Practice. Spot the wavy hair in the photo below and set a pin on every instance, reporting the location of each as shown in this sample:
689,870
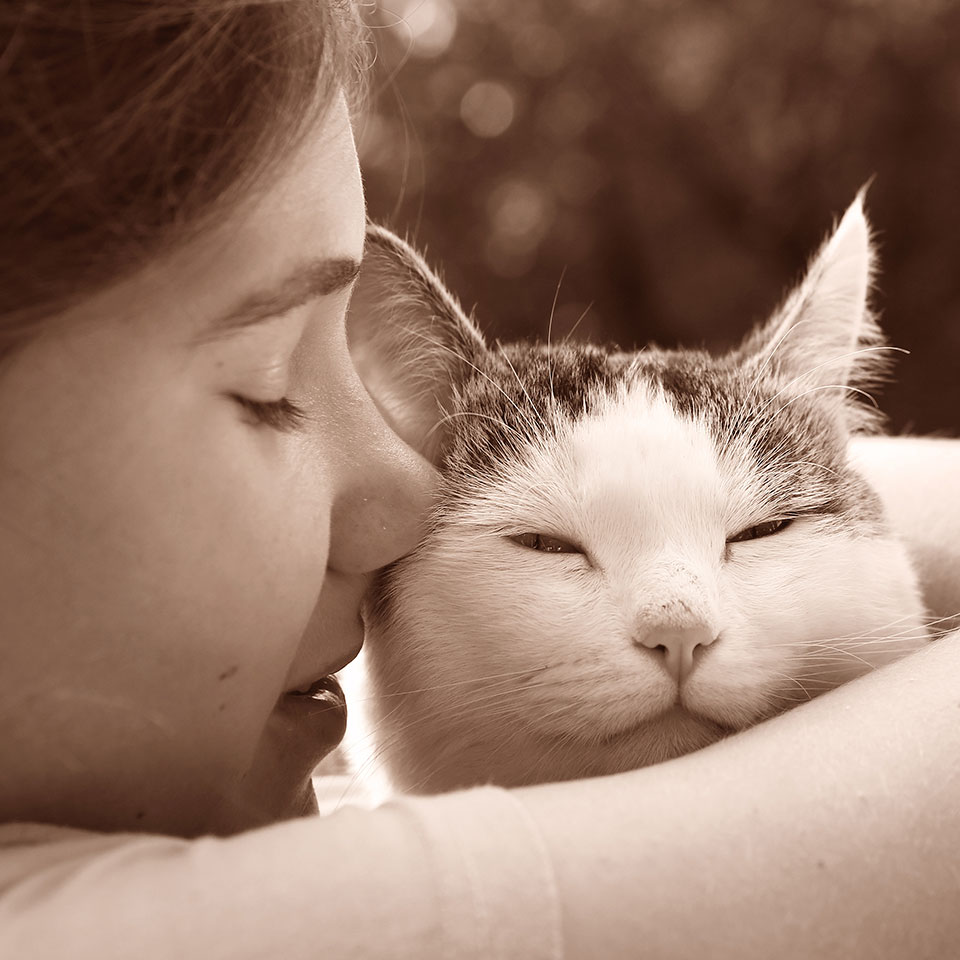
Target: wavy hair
126,126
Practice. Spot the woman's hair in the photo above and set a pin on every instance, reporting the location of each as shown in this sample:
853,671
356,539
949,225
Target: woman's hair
126,126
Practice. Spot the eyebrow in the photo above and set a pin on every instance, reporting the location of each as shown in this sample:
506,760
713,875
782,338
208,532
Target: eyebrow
306,282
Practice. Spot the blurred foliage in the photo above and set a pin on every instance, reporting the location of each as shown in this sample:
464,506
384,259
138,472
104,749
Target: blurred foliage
664,168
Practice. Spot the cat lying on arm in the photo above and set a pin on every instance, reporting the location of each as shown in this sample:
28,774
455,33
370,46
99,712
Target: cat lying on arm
634,554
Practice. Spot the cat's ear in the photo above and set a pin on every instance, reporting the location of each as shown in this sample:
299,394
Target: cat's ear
824,338
410,341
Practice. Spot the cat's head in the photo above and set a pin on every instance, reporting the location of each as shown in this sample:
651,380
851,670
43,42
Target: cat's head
634,553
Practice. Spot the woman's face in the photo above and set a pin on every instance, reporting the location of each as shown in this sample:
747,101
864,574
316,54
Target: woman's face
175,558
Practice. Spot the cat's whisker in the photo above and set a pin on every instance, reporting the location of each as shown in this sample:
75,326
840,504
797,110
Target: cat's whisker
885,627
513,369
553,311
721,438
459,356
502,678
795,680
423,714
883,631
464,705
578,321
826,386
635,365
418,334
850,655
809,681
739,419
811,463
450,417
853,647
759,419
815,660
786,702
914,632
952,620
469,704
805,695
825,363
893,638
772,351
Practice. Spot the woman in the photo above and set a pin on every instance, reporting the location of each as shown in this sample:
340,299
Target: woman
195,488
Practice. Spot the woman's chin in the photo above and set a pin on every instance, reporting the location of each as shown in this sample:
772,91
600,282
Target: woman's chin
257,803
278,785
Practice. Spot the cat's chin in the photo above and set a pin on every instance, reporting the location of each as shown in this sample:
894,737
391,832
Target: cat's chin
539,757
676,720
670,734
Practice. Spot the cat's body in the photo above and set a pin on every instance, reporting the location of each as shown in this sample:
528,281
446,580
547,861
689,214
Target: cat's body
634,554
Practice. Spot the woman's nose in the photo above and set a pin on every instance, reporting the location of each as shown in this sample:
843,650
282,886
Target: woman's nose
380,509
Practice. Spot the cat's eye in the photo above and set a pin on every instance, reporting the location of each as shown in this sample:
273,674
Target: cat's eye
761,530
283,414
545,543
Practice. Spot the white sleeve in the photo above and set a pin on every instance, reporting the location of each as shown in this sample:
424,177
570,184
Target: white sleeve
458,876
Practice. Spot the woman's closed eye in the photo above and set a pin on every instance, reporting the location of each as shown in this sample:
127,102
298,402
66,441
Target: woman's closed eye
283,414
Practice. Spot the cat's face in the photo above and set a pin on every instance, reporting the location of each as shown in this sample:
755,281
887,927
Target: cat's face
635,554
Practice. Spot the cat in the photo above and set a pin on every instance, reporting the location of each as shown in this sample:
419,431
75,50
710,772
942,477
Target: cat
634,553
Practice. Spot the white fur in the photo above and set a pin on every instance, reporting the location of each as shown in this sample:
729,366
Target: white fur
499,662
518,665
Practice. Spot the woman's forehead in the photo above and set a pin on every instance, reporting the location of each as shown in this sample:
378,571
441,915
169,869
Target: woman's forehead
300,234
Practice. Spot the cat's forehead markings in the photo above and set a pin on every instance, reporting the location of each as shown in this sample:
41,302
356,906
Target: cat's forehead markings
635,452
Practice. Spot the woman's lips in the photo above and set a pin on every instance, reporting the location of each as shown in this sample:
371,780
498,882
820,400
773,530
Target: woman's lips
318,712
324,690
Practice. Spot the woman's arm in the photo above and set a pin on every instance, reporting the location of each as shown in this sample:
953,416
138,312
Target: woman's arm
832,831
919,481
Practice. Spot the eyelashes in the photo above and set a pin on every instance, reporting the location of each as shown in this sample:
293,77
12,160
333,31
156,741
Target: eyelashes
282,415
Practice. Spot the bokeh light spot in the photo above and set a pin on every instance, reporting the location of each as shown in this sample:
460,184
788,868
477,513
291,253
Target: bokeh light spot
692,58
520,213
488,108
427,25
519,209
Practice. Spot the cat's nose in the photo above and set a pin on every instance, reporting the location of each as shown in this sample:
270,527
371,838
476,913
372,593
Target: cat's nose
678,646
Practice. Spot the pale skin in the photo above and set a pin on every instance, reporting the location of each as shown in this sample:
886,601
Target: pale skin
171,568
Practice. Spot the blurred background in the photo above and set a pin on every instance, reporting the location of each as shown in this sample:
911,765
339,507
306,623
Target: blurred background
664,168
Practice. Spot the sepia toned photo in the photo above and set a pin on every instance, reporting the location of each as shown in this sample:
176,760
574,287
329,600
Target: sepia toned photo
479,479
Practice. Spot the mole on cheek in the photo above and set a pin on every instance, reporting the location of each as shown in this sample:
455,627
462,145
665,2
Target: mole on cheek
228,673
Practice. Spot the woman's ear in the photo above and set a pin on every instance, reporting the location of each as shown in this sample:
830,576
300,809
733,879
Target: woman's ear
825,338
410,341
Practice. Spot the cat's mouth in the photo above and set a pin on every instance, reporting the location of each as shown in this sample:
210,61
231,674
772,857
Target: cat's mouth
675,722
